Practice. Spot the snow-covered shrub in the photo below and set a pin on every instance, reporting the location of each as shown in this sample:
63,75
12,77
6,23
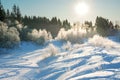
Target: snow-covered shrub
53,50
24,33
67,46
100,41
76,46
77,34
40,40
33,35
14,23
61,34
9,37
40,37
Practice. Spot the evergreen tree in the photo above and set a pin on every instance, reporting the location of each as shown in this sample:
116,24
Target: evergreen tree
2,12
59,22
105,27
9,37
14,11
7,14
66,24
18,14
54,20
102,26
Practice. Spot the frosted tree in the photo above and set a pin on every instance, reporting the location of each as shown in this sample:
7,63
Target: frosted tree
9,36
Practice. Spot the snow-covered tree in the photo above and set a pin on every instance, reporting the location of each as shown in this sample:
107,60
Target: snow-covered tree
40,37
77,34
9,37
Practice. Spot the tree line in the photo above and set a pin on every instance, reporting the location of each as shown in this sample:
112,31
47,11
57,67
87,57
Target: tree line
53,25
14,27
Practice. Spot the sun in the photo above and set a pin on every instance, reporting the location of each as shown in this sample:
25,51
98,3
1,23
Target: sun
82,8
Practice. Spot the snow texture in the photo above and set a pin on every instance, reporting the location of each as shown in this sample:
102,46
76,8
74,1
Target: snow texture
92,60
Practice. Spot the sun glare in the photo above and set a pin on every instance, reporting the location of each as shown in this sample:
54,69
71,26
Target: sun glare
81,8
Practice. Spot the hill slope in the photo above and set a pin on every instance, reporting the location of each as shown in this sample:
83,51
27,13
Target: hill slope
91,60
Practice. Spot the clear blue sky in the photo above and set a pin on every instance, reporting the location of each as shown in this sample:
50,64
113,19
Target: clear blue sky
64,9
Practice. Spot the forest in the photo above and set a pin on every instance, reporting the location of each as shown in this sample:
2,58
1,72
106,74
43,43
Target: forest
14,28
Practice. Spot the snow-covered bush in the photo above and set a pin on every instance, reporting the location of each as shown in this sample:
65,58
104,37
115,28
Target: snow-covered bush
40,40
18,26
40,37
77,34
53,50
9,37
67,46
14,23
61,34
100,41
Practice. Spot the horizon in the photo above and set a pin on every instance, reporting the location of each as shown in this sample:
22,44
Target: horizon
64,9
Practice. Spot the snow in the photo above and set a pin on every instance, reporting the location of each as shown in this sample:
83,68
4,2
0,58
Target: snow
62,61
95,74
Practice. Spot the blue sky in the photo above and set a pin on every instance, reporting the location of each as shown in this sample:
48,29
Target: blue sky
64,9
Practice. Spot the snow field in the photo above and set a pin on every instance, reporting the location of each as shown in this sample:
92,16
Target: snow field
63,61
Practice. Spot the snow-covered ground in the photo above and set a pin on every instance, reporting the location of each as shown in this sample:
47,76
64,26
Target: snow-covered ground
96,59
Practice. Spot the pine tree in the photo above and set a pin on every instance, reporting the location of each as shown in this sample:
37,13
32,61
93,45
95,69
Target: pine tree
66,24
18,14
8,14
54,20
2,12
59,22
103,26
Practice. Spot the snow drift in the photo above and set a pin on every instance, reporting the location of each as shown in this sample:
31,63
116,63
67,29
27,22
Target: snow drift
95,59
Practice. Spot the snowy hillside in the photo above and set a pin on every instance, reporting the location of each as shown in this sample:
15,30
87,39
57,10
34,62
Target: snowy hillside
63,61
